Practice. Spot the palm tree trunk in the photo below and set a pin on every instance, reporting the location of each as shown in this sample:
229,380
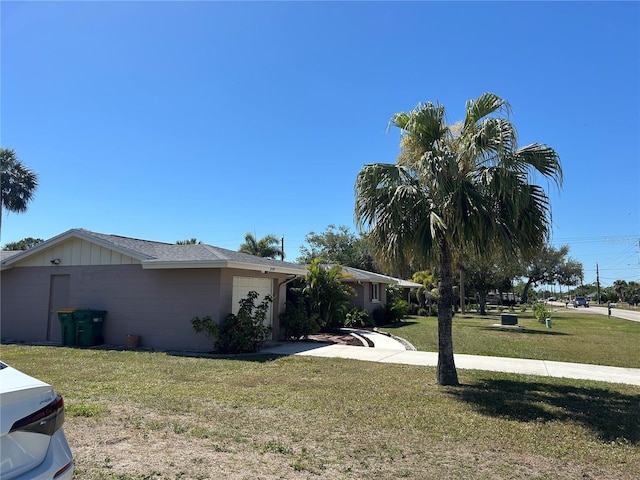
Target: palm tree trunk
446,373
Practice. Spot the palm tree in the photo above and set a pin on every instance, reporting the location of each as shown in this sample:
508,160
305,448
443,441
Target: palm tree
456,188
268,246
329,296
18,183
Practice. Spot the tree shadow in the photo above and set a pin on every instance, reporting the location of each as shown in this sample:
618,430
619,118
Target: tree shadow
523,331
245,357
401,324
610,415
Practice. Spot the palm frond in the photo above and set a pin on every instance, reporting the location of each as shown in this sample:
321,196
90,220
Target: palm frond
543,159
486,104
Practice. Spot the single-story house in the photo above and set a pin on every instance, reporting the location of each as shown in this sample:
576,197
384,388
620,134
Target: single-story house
149,289
370,288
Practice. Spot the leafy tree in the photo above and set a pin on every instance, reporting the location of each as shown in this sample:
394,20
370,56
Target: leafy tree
268,246
189,241
570,273
18,183
633,293
486,271
627,291
337,245
550,265
24,244
455,188
329,297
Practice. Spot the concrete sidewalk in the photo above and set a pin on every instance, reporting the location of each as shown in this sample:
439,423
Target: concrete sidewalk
545,368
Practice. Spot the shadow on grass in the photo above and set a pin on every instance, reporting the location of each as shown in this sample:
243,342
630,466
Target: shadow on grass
399,324
610,415
524,331
245,357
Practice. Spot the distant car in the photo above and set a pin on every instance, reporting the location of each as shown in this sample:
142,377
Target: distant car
580,302
551,299
32,442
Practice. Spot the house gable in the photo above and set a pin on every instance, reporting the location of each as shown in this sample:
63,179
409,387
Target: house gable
75,252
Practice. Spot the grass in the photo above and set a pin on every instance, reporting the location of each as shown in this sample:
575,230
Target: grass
574,337
296,417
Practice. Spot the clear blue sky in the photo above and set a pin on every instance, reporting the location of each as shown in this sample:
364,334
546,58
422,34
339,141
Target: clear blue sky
172,120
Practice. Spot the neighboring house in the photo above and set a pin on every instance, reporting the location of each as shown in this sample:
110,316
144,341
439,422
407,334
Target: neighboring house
150,289
370,288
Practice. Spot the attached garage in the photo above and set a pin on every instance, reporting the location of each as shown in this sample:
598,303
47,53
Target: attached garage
262,286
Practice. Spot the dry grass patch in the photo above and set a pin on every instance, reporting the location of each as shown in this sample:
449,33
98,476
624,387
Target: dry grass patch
150,415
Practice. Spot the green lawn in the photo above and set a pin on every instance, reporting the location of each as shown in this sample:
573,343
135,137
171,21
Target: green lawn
135,415
574,337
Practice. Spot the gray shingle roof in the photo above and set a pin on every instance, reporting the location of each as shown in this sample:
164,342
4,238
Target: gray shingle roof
160,252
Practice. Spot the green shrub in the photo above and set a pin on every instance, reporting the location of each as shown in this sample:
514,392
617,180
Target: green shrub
244,332
207,326
391,313
540,312
358,318
296,322
396,311
422,312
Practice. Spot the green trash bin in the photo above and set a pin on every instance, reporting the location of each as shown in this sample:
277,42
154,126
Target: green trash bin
67,326
89,327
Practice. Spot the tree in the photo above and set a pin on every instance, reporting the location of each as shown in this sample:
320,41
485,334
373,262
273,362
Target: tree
189,241
19,183
338,245
427,291
268,246
328,295
550,265
455,188
24,244
570,273
489,271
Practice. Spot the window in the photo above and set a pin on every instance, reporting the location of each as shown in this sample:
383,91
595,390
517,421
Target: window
375,293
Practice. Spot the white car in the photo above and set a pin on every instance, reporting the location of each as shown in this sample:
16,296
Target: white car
32,442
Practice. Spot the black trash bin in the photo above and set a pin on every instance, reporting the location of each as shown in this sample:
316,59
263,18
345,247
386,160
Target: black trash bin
67,326
89,327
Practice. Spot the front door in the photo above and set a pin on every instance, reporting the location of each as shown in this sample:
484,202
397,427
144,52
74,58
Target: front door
58,299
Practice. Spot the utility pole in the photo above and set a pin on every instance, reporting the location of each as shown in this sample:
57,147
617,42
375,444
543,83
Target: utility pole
282,250
598,283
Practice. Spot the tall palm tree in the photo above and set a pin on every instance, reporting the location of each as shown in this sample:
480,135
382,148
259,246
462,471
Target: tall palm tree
456,188
268,246
18,183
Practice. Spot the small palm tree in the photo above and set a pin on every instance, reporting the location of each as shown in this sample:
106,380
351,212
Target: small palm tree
268,247
18,183
455,188
328,295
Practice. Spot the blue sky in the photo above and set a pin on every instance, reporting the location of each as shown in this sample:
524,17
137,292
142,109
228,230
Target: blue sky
172,120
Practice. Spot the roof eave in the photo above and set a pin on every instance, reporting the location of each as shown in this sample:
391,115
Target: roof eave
159,264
